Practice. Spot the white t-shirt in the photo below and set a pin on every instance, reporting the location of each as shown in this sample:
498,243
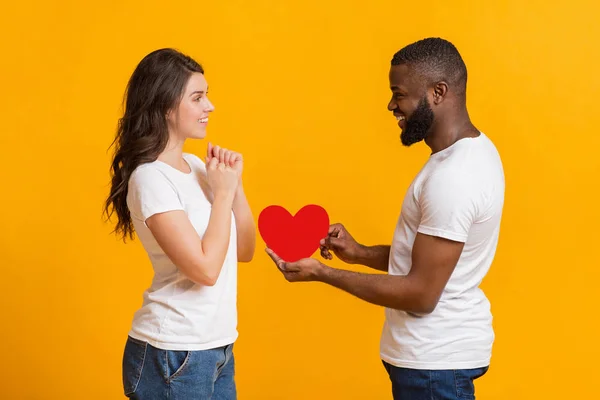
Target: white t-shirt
178,314
458,195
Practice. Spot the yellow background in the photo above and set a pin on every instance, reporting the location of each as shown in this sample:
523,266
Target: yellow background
300,88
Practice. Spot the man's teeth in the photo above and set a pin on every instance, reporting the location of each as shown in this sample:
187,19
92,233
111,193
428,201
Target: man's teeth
400,118
203,120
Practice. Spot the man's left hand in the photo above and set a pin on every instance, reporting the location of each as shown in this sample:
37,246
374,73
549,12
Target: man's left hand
304,270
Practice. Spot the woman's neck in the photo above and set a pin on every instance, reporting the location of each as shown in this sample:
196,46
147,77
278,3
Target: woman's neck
173,155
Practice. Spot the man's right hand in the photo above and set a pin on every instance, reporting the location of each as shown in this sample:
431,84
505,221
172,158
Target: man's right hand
342,244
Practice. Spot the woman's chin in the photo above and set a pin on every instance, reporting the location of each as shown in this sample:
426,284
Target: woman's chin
198,135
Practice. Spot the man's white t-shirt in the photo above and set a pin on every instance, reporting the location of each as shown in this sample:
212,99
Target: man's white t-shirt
457,195
178,314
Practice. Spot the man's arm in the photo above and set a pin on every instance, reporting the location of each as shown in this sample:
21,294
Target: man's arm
376,257
433,261
244,221
343,245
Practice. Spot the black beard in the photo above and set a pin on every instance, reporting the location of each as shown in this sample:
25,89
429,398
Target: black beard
418,125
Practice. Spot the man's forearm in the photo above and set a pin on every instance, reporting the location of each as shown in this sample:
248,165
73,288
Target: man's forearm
244,221
376,257
392,291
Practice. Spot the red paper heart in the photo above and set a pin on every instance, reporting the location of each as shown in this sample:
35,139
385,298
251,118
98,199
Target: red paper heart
293,237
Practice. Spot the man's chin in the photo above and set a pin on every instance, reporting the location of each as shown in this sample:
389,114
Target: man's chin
408,140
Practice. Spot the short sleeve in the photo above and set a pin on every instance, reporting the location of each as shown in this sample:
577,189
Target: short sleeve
195,161
448,205
151,192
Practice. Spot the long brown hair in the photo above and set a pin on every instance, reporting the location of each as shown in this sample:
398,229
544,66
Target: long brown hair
155,88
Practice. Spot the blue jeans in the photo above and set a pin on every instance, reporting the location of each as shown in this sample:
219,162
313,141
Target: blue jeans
448,384
150,373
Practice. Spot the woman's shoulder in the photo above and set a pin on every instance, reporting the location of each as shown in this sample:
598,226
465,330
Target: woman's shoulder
194,161
147,173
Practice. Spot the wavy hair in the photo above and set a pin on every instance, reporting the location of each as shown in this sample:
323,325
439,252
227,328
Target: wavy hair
155,88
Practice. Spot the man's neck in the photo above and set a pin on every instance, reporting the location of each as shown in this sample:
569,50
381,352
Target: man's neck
449,130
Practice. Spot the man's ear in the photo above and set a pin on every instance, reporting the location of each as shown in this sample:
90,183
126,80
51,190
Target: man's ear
440,90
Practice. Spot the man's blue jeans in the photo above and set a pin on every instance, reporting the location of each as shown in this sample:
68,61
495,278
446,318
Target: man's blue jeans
416,384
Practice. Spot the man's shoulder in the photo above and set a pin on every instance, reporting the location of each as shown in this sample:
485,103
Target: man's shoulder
448,175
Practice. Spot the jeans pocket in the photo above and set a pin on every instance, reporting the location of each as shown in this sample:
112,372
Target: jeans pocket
176,362
133,364
465,387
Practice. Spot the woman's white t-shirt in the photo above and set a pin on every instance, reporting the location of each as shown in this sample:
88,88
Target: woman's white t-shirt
178,314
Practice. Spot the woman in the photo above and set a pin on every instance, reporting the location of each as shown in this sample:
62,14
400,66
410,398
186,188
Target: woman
193,220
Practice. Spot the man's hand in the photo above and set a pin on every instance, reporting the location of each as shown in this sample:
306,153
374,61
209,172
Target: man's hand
305,270
418,292
342,244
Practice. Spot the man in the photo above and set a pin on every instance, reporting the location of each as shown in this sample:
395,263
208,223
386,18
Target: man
438,334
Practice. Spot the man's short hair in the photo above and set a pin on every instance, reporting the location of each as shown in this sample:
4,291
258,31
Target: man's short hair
437,60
